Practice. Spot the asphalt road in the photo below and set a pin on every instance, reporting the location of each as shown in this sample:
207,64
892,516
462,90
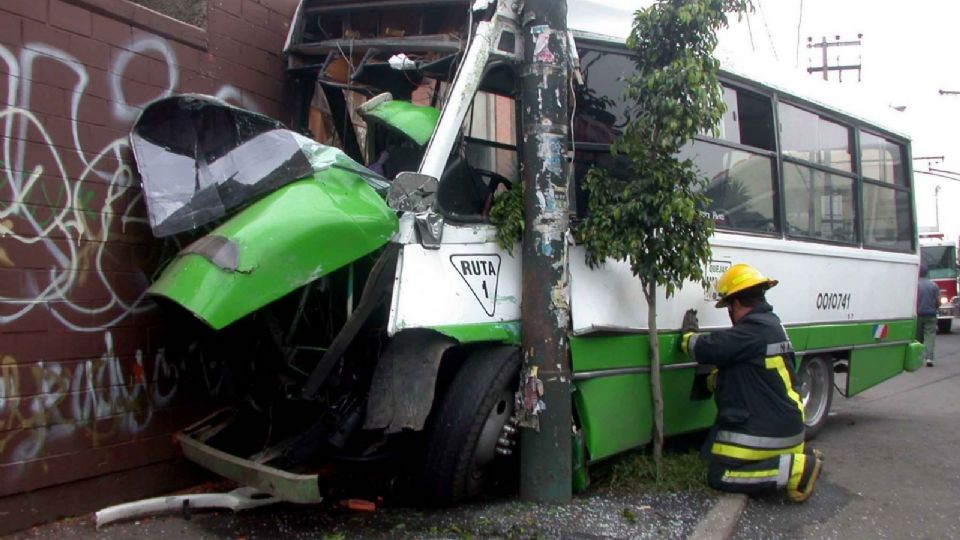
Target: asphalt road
892,466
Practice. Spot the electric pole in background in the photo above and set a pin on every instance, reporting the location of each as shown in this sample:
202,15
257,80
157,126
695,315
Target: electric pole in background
545,411
826,68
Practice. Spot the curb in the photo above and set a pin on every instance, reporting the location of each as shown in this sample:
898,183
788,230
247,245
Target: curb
720,521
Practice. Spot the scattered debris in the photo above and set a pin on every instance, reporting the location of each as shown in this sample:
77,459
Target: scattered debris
359,505
239,499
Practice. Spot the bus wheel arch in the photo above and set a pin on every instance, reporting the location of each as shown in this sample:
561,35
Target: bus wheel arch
815,379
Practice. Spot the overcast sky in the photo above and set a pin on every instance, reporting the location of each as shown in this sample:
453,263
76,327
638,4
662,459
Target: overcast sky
909,52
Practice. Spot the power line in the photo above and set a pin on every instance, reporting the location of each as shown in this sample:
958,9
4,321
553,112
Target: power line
939,175
796,61
750,31
942,171
763,16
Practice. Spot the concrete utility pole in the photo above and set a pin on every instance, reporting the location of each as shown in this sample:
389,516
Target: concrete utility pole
545,457
825,68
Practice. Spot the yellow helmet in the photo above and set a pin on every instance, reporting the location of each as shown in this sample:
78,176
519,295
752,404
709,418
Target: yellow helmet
740,277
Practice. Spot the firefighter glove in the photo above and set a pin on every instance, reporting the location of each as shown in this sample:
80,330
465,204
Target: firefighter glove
690,322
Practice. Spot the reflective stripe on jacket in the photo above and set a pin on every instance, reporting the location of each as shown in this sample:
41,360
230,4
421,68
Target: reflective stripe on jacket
759,412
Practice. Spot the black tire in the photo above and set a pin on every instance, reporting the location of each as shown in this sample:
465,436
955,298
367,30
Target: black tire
815,378
944,326
474,408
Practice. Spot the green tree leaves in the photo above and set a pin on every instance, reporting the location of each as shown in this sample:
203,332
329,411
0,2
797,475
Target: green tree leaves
651,217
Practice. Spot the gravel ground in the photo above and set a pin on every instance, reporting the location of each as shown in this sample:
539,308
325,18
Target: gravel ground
599,514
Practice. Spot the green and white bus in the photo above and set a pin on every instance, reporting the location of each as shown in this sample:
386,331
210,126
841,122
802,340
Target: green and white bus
425,361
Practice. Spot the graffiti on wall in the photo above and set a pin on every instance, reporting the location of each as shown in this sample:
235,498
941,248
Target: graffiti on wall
73,397
45,204
71,223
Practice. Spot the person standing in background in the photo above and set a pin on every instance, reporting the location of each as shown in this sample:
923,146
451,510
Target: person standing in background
927,295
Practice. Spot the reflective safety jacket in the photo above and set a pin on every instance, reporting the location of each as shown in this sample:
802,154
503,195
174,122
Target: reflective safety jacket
759,412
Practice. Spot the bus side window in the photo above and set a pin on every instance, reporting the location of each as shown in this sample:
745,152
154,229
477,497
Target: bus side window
739,164
819,176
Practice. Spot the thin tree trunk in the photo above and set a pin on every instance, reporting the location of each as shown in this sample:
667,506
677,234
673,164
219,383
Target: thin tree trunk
650,291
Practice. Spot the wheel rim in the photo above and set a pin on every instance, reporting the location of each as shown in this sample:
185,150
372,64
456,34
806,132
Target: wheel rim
486,455
814,388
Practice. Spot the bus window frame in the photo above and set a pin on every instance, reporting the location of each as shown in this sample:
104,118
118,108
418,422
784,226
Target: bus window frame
854,124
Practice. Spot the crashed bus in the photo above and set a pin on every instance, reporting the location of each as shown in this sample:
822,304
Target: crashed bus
346,273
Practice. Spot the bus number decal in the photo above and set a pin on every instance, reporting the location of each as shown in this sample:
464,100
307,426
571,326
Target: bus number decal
481,273
833,301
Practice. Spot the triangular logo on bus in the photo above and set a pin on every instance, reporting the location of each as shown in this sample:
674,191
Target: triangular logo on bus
482,274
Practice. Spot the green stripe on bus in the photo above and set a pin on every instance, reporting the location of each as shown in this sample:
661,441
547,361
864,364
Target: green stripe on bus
595,352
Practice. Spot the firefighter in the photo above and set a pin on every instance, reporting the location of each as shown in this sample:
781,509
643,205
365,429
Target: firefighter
757,442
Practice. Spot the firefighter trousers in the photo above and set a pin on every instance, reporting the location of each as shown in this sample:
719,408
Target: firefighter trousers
790,472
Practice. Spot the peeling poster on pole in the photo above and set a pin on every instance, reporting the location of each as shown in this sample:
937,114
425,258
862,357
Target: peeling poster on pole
541,48
551,152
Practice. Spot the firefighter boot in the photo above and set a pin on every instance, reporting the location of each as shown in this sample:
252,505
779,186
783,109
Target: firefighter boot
805,488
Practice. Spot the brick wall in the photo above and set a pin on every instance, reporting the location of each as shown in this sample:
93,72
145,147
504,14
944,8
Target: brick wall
87,387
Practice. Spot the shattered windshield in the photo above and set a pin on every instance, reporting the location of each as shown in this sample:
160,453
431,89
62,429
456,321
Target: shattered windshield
199,158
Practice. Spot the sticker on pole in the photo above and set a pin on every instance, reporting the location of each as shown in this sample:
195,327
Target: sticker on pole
714,270
481,273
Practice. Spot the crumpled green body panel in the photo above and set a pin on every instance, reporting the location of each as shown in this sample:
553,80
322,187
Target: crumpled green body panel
415,121
291,237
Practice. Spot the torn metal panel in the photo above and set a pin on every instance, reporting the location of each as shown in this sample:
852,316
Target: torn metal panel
199,157
216,249
404,382
244,498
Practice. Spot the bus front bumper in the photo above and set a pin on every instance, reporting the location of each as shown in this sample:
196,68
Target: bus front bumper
291,487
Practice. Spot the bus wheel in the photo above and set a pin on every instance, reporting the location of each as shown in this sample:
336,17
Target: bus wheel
472,443
944,326
816,392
